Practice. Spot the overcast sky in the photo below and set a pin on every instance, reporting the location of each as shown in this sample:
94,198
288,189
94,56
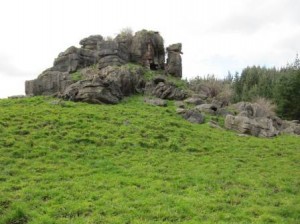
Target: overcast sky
217,35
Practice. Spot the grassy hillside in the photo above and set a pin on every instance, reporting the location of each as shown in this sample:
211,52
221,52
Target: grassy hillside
135,163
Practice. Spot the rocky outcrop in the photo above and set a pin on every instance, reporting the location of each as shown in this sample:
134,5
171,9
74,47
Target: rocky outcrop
207,108
109,86
145,48
111,53
254,119
160,88
260,127
48,83
193,116
91,42
194,100
251,110
94,91
174,65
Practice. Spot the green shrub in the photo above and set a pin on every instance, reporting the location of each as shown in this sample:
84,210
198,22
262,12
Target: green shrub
76,76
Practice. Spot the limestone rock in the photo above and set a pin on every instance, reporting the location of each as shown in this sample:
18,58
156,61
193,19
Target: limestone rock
73,59
129,81
194,100
91,91
156,102
174,64
165,90
251,110
108,85
91,42
180,110
260,127
147,49
291,127
101,61
48,83
207,108
193,116
179,104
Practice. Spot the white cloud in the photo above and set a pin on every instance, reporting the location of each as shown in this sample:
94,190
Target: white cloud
217,36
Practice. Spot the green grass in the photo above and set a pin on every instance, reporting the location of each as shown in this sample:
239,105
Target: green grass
76,76
135,163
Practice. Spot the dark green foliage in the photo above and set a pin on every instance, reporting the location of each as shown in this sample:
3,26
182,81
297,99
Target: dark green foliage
255,82
281,86
287,94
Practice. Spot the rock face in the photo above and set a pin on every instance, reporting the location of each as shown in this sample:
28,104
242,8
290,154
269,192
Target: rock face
90,91
160,88
260,127
108,86
70,72
255,120
193,116
48,83
147,49
174,65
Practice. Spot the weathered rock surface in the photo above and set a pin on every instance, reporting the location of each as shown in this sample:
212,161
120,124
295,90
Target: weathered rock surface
251,110
48,83
254,119
260,126
207,108
129,81
73,59
165,90
179,104
194,100
156,102
145,48
94,91
111,53
174,64
91,42
193,116
108,85
290,127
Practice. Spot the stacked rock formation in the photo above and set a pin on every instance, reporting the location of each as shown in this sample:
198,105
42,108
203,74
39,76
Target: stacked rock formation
174,66
109,79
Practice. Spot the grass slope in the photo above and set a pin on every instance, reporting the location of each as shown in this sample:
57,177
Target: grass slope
135,163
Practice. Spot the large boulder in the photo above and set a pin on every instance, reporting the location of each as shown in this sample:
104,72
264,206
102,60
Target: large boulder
165,90
251,110
48,83
174,64
73,59
291,127
260,126
91,42
112,53
193,116
207,108
94,91
109,85
147,49
130,81
194,100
